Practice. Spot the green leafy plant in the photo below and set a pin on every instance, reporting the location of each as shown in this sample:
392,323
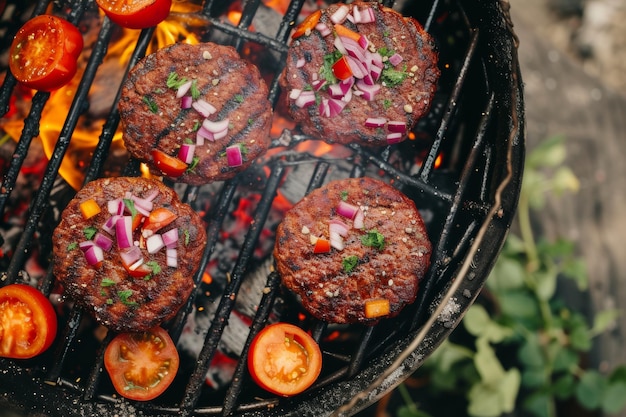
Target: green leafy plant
520,347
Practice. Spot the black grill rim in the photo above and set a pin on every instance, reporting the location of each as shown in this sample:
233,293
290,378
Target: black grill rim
493,38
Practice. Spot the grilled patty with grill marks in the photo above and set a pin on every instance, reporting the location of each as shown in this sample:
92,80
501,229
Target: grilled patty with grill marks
152,116
140,295
397,97
380,254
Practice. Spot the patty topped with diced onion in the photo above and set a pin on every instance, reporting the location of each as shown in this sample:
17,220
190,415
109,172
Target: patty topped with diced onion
359,73
126,250
353,250
195,113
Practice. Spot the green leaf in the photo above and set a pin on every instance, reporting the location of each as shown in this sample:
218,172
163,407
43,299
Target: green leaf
590,389
576,269
545,284
614,399
549,153
478,323
530,353
580,338
487,363
539,404
534,377
507,274
564,386
564,180
604,320
519,305
486,400
565,360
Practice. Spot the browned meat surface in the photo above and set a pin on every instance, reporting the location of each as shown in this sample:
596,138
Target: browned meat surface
402,93
382,258
119,299
152,116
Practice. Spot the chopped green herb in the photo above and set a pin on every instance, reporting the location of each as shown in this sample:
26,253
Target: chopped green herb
196,126
187,237
130,205
392,77
189,141
373,239
349,263
326,71
159,91
173,81
154,266
386,103
195,93
90,232
250,122
344,195
193,164
124,296
107,282
239,98
72,246
109,301
152,106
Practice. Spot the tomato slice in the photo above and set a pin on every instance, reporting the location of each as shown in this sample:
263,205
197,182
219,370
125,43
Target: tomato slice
44,52
167,164
28,323
141,365
284,359
136,14
307,24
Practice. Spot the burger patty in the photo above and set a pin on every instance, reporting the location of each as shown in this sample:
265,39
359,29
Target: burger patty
128,288
204,96
379,250
360,73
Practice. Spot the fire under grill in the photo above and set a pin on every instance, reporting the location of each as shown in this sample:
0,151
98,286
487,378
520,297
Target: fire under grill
462,166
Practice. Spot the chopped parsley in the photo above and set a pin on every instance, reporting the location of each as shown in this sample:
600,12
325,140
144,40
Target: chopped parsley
195,93
239,98
107,282
349,263
90,232
187,237
373,239
124,296
193,164
344,195
173,81
386,104
72,246
326,71
152,106
392,77
154,266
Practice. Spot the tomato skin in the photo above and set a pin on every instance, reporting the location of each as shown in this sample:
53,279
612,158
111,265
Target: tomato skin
44,53
286,346
341,68
136,14
150,358
159,218
25,309
167,164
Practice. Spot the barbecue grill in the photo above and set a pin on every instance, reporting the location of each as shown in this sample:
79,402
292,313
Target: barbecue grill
462,166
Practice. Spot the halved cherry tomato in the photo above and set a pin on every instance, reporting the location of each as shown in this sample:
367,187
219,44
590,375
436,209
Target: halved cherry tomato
136,14
139,272
284,359
167,164
158,218
141,365
28,323
341,68
44,53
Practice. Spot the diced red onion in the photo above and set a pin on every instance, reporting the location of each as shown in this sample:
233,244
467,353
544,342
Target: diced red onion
375,58
346,84
375,72
339,46
357,67
338,226
336,241
170,238
393,138
356,15
142,205
115,206
234,156
306,98
171,257
154,243
300,63
324,108
369,91
203,134
185,153
103,241
359,219
347,97
318,84
94,255
221,134
353,48
375,122
395,59
339,16
347,210
136,265
323,29
215,126
368,79
367,15
124,232
295,93
336,106
131,255
153,194
85,244
336,91
183,89
203,107
186,102
364,42
396,126
109,225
